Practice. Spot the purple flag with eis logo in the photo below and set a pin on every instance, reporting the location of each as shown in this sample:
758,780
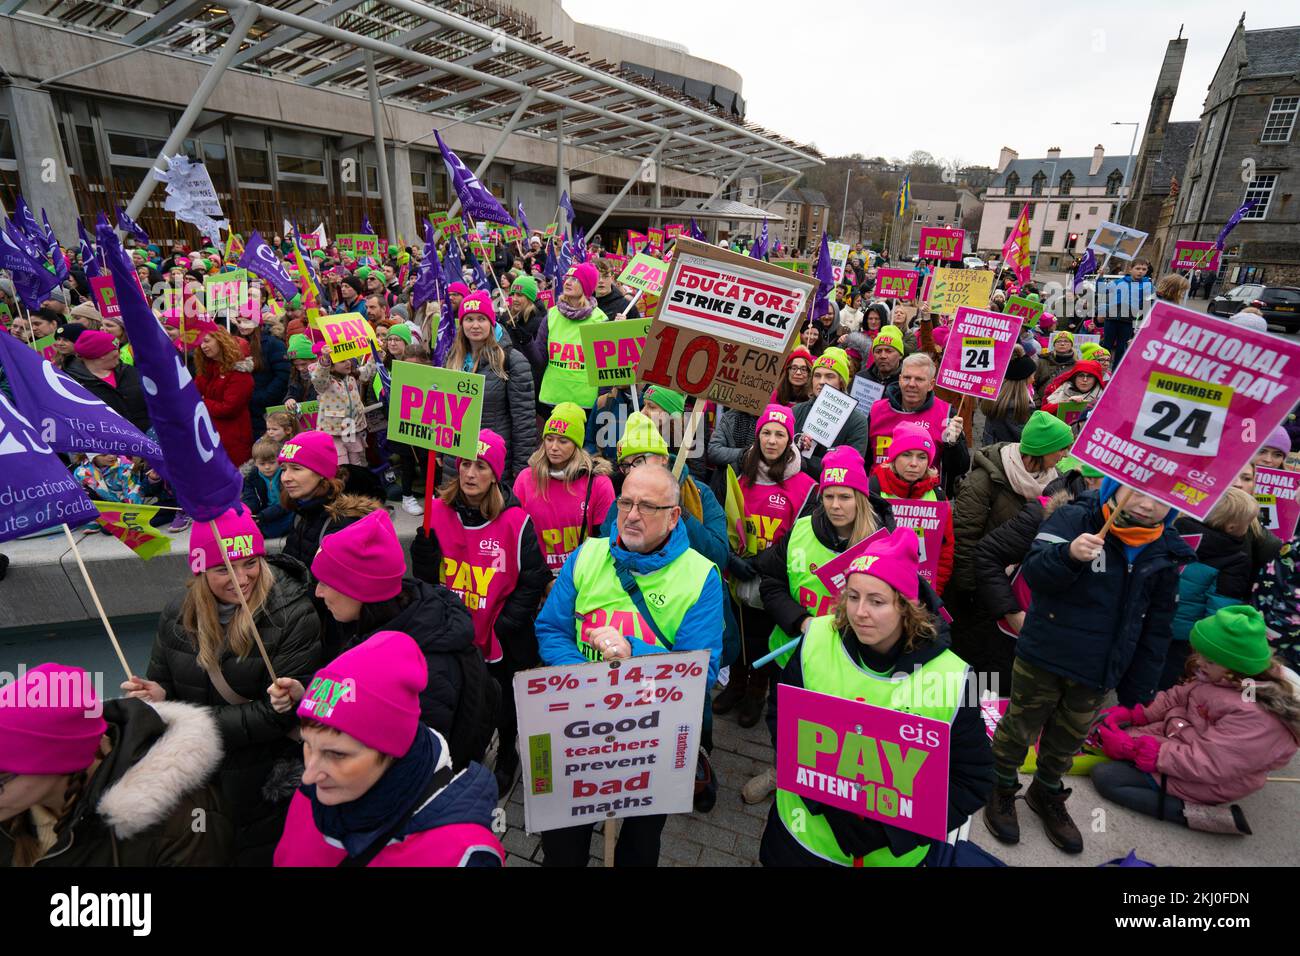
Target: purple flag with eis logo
1086,266
697,232
477,202
25,263
523,219
127,224
759,249
89,262
36,490
25,220
260,259
70,418
1231,224
426,287
198,467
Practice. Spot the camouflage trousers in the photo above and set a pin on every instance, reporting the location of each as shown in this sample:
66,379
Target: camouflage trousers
1060,709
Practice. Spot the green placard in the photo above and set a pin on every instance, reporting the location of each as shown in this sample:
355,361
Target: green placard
794,265
225,291
612,350
436,408
552,230
1027,310
365,245
5,315
304,408
42,344
484,250
344,241
539,761
645,273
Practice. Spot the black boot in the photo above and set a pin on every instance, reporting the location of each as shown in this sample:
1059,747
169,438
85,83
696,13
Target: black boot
507,767
1000,814
751,707
734,691
1050,805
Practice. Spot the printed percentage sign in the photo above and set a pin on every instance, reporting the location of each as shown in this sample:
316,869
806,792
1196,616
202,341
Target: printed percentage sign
556,681
729,353
571,682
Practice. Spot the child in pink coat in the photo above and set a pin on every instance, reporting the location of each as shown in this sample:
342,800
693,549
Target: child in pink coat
1211,740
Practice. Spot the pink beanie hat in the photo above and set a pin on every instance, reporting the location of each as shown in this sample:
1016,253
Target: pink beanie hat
478,303
778,414
93,344
894,559
458,288
313,450
371,692
940,336
492,449
1279,439
842,467
909,436
587,276
53,736
240,537
363,561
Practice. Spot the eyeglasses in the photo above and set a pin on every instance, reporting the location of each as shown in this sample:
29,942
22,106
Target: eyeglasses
625,506
800,368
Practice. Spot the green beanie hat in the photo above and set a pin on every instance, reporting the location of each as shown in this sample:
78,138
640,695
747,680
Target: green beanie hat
1068,335
568,421
890,335
666,398
838,360
1235,638
300,348
318,253
363,272
525,286
641,437
402,331
1043,434
296,301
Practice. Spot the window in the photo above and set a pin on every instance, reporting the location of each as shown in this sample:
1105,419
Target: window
1281,119
290,165
1036,184
1067,183
1062,213
940,219
1113,182
253,166
1092,210
1259,189
1014,211
1049,237
6,141
372,180
1209,133
1013,181
419,180
1006,234
131,144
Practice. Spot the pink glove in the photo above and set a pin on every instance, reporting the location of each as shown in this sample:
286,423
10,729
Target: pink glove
1139,716
1116,744
1117,717
1146,752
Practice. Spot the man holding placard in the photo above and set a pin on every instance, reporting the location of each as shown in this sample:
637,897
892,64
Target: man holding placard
912,399
831,369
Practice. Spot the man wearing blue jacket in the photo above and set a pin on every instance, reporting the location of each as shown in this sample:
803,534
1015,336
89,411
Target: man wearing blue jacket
600,609
1100,618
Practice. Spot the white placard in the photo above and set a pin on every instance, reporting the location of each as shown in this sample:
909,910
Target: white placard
866,392
828,414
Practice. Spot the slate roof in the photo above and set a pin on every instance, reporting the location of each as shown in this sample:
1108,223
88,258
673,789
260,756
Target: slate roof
934,192
1078,165
1179,140
1270,52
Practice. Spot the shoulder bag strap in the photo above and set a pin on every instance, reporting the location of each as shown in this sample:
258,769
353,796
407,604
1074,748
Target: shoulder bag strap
633,590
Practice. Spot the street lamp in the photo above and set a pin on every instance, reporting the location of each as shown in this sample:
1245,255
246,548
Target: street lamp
1128,189
848,174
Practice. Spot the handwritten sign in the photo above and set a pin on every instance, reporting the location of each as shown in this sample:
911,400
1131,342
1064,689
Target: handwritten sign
436,408
830,410
952,289
866,393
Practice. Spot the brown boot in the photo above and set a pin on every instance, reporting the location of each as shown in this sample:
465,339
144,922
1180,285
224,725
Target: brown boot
1000,814
734,692
1058,826
751,707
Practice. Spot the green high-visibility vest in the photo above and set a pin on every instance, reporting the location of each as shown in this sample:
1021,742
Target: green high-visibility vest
803,557
601,601
828,669
565,378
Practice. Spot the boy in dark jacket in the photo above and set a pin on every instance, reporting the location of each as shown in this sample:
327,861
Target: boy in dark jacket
1100,618
261,492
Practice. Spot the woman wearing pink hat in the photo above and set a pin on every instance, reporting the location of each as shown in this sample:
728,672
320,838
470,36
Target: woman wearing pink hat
508,398
479,541
378,788
558,342
205,654
883,645
909,474
312,488
776,493
87,782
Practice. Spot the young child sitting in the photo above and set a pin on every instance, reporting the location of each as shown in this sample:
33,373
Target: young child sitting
262,490
1211,740
109,477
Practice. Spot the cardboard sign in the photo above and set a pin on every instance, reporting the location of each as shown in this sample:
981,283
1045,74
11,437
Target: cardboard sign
829,412
1184,411
1027,310
839,259
613,350
105,297
645,273
951,289
723,325
984,342
1195,255
928,519
347,336
225,292
866,393
884,764
1278,494
1112,239
940,243
610,739
896,284
436,408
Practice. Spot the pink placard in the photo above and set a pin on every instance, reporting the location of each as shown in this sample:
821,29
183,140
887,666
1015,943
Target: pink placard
1277,492
978,352
942,244
656,242
1184,411
993,710
879,763
1195,255
102,288
896,284
310,241
832,574
928,519
674,229
547,297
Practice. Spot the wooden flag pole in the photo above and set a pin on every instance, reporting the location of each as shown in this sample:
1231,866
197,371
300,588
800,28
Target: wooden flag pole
94,596
611,835
243,602
1119,506
688,436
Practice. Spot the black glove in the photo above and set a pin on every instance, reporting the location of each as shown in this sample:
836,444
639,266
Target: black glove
742,569
857,836
423,554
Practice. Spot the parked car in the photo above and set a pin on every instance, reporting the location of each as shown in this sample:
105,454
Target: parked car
973,262
1279,303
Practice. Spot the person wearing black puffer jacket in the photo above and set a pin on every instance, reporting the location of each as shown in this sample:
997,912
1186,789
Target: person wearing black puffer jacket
205,653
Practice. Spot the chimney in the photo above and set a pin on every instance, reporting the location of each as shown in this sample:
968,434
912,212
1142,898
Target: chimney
1098,154
1054,153
1006,158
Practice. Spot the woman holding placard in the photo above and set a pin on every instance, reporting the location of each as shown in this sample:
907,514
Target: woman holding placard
883,645
558,342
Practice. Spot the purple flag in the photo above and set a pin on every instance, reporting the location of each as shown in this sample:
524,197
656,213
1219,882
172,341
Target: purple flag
260,259
523,219
306,258
452,268
476,201
551,268
36,490
759,249
127,224
579,245
198,467
696,232
57,259
563,260
1231,224
81,422
25,263
825,278
1087,265
366,228
567,206
26,222
427,286
89,261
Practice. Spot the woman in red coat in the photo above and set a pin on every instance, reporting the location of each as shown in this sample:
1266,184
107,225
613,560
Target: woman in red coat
224,378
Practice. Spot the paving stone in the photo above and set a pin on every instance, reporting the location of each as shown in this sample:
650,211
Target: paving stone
739,822
521,843
710,835
712,857
680,852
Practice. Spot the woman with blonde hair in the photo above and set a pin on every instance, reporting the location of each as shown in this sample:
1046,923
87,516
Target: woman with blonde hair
205,654
223,376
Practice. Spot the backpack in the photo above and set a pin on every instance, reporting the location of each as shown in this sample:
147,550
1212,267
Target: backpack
477,708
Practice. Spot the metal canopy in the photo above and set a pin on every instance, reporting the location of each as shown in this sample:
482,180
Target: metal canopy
472,62
704,210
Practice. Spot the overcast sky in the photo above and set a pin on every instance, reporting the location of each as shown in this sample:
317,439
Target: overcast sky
851,77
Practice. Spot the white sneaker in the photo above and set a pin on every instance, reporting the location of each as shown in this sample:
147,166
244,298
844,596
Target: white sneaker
411,505
759,788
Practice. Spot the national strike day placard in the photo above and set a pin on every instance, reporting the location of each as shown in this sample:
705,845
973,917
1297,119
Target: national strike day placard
979,350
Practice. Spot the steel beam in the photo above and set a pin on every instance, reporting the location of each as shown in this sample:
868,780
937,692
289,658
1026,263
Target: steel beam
385,187
491,154
654,157
282,35
163,21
